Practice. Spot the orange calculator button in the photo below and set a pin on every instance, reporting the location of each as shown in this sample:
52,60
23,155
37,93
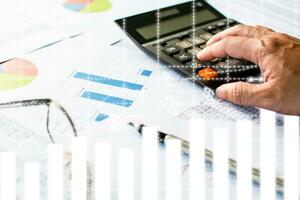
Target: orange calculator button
208,73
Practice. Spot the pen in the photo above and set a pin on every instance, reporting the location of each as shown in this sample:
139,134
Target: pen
162,137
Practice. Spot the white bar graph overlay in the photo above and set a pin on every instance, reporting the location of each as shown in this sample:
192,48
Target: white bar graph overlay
150,164
267,155
220,164
79,168
197,159
103,171
55,172
8,176
126,175
173,169
244,160
32,181
291,158
173,172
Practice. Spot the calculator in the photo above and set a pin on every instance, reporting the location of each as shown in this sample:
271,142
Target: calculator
174,35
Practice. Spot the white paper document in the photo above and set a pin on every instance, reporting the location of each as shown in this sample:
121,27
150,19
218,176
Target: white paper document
29,25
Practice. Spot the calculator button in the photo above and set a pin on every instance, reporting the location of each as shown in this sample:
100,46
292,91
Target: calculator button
199,4
183,57
231,22
217,31
203,46
194,51
206,36
210,28
199,31
185,36
214,61
184,44
221,24
220,67
208,73
234,62
190,67
171,50
196,41
196,64
172,42
193,64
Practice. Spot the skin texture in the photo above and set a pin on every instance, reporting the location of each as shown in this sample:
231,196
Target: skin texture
278,56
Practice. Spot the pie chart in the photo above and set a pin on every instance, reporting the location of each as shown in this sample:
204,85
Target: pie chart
16,73
87,6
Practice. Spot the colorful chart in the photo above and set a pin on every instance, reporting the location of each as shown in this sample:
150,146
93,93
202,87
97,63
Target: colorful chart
16,73
87,6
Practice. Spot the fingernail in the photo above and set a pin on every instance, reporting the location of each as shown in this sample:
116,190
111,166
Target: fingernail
199,54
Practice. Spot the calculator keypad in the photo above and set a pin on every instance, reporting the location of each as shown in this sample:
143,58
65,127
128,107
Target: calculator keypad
194,51
197,41
210,28
172,42
183,57
185,48
206,36
184,44
171,50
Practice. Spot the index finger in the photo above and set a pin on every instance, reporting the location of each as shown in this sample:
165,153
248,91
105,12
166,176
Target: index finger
241,30
233,46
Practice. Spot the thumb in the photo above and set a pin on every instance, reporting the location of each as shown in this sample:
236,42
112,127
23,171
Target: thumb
242,93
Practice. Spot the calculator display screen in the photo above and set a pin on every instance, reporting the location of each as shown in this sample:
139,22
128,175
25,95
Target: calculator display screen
174,24
143,29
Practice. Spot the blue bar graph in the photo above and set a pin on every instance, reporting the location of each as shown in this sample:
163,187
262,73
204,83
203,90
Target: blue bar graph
100,117
146,73
107,99
108,81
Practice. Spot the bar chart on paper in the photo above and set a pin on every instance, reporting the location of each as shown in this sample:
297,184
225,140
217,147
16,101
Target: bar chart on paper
118,92
109,89
115,91
115,83
105,86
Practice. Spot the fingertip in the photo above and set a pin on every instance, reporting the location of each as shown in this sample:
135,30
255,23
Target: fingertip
221,91
205,54
210,41
201,54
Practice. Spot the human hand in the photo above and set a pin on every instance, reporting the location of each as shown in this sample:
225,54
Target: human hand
278,56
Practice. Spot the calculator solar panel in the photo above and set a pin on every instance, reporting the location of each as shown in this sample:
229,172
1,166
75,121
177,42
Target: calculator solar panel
174,35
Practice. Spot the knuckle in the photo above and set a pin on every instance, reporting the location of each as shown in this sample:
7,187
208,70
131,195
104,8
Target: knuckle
256,55
252,31
270,42
264,28
238,93
237,28
267,45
